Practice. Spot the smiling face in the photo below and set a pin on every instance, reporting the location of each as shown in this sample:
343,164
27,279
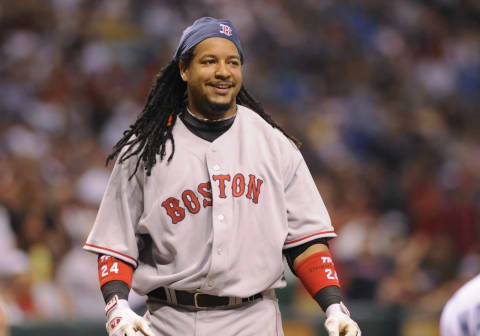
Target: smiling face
214,78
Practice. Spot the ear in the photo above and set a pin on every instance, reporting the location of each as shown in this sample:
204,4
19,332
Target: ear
183,71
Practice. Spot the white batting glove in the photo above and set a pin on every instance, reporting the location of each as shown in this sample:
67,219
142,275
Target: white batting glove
122,321
339,323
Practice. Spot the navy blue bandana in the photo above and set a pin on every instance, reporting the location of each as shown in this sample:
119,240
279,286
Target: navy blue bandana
204,28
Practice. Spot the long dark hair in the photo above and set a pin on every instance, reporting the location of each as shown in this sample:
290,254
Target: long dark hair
147,137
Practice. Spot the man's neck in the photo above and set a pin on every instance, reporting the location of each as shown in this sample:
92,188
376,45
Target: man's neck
207,130
202,118
212,116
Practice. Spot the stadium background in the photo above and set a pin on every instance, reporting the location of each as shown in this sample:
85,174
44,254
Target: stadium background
383,95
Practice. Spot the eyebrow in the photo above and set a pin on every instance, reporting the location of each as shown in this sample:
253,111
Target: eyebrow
215,56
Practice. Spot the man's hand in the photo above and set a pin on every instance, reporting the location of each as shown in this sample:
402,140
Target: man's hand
122,321
339,323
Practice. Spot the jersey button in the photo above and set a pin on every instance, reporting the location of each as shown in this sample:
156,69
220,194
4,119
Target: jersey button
216,167
221,217
210,283
219,251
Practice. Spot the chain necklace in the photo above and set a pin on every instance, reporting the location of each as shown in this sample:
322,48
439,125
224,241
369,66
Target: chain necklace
208,120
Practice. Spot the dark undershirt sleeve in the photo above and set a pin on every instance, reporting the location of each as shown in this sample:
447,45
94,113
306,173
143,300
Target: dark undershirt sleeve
327,296
115,287
292,253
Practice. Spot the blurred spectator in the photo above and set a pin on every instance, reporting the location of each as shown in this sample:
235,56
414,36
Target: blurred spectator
16,288
76,274
4,325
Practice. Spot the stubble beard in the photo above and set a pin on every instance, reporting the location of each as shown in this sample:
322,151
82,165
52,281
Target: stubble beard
213,111
210,109
219,108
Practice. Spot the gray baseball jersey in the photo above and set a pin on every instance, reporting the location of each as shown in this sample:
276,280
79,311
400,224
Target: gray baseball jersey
217,216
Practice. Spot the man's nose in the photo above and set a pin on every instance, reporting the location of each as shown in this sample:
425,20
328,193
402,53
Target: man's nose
222,70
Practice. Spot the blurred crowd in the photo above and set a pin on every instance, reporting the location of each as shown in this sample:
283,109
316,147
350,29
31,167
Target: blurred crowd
383,95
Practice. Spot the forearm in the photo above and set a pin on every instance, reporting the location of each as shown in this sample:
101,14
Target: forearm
310,251
316,270
115,277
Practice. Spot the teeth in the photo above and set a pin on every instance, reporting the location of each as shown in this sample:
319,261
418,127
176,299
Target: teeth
222,86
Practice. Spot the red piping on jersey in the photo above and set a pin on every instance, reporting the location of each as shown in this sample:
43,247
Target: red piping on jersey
313,234
107,249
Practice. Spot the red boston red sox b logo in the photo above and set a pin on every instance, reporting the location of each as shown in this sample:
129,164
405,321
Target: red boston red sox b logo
225,29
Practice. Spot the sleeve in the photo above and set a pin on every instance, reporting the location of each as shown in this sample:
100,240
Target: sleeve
114,230
307,215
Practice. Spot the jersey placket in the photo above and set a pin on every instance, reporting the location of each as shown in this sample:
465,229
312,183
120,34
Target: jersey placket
220,218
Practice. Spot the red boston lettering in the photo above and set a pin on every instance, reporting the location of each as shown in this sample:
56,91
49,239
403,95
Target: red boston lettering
191,201
205,189
254,189
221,183
174,210
238,185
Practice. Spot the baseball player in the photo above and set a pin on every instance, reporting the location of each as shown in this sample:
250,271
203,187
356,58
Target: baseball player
461,314
205,199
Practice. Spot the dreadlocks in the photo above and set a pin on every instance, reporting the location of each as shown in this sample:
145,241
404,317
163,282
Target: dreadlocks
147,137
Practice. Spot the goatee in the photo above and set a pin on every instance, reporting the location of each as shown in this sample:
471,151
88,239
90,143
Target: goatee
218,110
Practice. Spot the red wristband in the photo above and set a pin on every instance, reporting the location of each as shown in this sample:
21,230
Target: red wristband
317,271
111,268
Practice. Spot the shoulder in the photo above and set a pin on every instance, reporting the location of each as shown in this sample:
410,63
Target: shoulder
260,126
128,163
267,139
